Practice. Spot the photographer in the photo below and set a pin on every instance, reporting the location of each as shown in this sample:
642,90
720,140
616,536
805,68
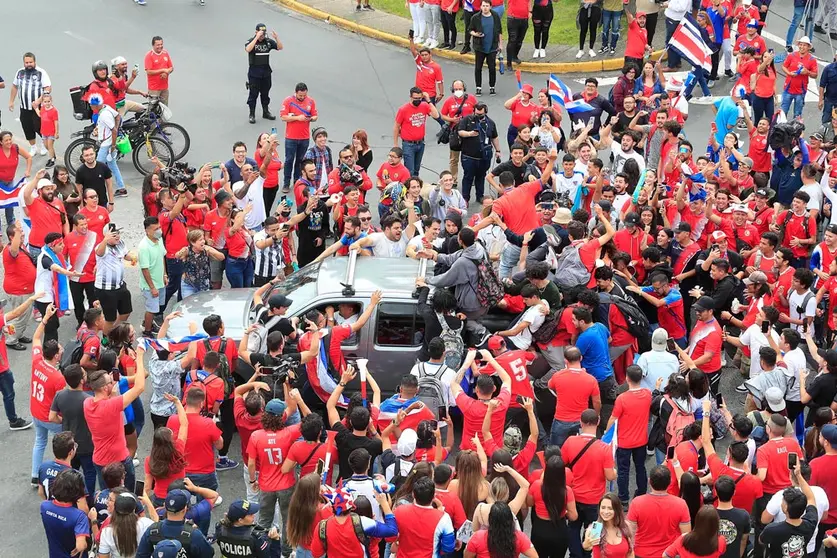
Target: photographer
348,173
249,192
173,225
276,367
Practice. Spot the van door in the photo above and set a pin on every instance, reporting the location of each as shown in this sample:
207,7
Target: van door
398,335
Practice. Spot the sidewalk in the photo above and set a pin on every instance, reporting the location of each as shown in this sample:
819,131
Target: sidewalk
393,29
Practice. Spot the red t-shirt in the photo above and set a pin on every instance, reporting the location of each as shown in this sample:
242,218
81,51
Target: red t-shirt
762,219
773,456
473,413
516,364
637,40
588,473
75,243
161,485
19,278
632,409
200,443
301,451
215,225
92,343
450,107
677,549
155,61
687,454
573,388
46,218
566,328
630,243
707,338
8,165
743,15
524,114
231,350
412,120
269,448
150,203
746,69
298,129
427,76
760,156
517,208
535,491
246,424
822,475
49,117
518,9
96,220
47,380
417,526
796,227
388,173
174,232
4,354
520,461
105,420
796,83
271,179
104,90
766,83
783,287
747,489
429,454
658,518
453,507
479,544
588,253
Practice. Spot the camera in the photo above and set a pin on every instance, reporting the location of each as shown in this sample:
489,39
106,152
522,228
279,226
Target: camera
563,200
349,175
178,172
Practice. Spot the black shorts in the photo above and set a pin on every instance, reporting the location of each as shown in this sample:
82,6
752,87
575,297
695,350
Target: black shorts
116,302
129,429
30,122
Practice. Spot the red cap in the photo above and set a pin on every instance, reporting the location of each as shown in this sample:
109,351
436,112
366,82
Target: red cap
719,235
641,14
495,342
528,89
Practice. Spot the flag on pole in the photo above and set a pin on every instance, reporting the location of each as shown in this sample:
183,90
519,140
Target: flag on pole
563,95
8,193
172,345
692,43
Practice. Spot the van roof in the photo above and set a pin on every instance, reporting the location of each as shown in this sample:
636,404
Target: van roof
394,276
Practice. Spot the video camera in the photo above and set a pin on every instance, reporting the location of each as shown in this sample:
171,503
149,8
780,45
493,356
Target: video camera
348,175
179,172
785,135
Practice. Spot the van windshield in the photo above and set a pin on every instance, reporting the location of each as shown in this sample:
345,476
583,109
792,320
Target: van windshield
300,287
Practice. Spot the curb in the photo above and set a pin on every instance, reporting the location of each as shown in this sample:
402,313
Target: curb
604,65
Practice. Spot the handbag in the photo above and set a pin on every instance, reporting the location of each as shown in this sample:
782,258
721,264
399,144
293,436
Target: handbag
444,135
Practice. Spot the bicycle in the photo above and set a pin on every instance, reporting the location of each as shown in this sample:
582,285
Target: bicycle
155,119
144,147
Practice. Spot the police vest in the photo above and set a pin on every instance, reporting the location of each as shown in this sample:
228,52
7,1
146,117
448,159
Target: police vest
235,541
155,536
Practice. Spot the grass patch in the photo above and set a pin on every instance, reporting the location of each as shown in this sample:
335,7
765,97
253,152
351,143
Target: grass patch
563,30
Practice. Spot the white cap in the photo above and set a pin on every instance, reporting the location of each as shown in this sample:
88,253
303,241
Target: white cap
805,40
775,399
659,339
407,443
43,182
747,2
118,60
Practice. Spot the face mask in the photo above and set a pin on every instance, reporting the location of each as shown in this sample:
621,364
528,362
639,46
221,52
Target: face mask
416,102
158,234
481,117
459,94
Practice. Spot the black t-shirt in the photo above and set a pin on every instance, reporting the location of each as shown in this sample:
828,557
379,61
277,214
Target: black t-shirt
735,523
518,172
622,123
94,178
784,540
260,55
70,405
823,390
283,326
474,146
347,442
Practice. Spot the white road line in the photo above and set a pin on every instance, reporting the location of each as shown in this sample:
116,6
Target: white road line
79,38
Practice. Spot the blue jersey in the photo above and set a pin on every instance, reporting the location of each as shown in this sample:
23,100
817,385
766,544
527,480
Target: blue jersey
100,502
62,524
48,471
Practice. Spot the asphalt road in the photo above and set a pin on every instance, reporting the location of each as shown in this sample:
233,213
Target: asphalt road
357,83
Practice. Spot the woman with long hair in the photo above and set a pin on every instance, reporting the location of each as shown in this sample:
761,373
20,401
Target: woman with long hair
196,256
167,462
151,185
616,539
121,537
66,189
588,17
665,244
763,84
10,154
306,510
404,495
691,494
553,503
704,539
502,538
469,484
361,149
500,492
266,146
675,393
813,447
548,134
648,88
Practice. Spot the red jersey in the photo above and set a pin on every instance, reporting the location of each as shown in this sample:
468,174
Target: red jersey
637,40
746,69
428,76
743,15
746,236
588,471
747,487
524,113
105,419
658,518
308,455
19,276
773,456
473,413
215,224
388,173
706,338
687,454
174,232
200,443
783,287
246,424
97,218
298,129
802,227
762,220
49,117
104,90
632,243
161,485
269,448
450,107
46,218
573,389
80,250
412,120
631,410
517,208
453,507
796,83
822,475
758,153
47,380
230,349
154,61
516,364
478,545
271,179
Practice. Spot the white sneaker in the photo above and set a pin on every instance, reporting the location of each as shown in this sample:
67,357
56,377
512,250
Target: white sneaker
432,43
543,53
702,100
44,150
419,41
592,53
580,54
536,53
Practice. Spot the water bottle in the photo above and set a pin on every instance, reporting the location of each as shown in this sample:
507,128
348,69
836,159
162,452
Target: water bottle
502,60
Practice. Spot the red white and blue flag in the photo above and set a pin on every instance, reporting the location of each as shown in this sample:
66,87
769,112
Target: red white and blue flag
172,345
692,43
319,377
9,193
563,95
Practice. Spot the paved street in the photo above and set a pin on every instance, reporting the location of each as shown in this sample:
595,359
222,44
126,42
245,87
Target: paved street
356,82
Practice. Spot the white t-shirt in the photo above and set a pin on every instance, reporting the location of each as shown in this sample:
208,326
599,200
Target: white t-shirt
681,104
569,186
755,340
383,247
107,544
256,217
106,123
795,302
774,508
366,487
535,318
581,166
815,192
794,362
432,369
620,156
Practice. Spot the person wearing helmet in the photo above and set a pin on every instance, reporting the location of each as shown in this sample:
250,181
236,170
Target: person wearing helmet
122,82
101,86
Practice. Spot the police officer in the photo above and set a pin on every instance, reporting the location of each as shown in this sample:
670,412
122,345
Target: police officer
239,535
258,76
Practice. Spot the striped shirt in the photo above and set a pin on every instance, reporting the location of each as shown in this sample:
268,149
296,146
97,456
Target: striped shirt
30,85
268,260
109,268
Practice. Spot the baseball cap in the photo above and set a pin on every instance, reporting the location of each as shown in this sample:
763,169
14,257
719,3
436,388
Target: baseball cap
275,407
775,399
805,40
562,216
407,443
831,228
168,548
683,227
747,161
704,303
828,355
125,503
756,278
632,218
605,205
829,432
495,342
177,500
528,89
279,301
659,339
43,182
719,235
740,207
261,26
640,14
765,192
241,509
817,136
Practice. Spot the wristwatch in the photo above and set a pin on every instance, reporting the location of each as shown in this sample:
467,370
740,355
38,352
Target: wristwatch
341,384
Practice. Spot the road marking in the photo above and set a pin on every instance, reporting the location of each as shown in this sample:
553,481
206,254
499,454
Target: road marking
79,38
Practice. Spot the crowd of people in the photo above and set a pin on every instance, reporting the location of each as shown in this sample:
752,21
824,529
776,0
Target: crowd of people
634,271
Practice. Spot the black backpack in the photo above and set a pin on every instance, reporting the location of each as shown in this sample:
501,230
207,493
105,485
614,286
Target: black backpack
635,318
75,350
155,537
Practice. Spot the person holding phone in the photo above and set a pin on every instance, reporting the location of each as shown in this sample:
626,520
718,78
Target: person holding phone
799,505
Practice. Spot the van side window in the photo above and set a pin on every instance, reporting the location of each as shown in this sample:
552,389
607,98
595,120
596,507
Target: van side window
399,325
345,313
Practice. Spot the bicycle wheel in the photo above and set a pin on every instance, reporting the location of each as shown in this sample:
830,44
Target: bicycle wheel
176,136
145,151
72,155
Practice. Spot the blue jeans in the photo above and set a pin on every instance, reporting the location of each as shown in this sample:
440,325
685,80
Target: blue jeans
8,211
139,415
7,388
102,157
240,272
700,79
294,152
413,153
562,430
623,466
473,173
86,462
508,260
174,269
187,290
673,57
798,11
42,432
204,480
610,27
798,103
130,475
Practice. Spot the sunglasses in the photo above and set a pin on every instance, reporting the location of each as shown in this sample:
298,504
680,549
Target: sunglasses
364,219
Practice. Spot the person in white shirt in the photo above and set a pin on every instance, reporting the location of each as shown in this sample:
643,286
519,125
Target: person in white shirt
568,183
249,191
812,187
519,336
802,301
658,362
392,243
107,130
754,337
434,367
427,239
624,150
346,314
791,350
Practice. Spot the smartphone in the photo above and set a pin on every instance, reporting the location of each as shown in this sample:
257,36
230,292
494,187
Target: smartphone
770,50
216,165
443,413
719,400
714,127
273,131
283,199
435,424
411,34
320,467
139,488
765,326
671,346
596,529
591,121
670,453
805,326
792,461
